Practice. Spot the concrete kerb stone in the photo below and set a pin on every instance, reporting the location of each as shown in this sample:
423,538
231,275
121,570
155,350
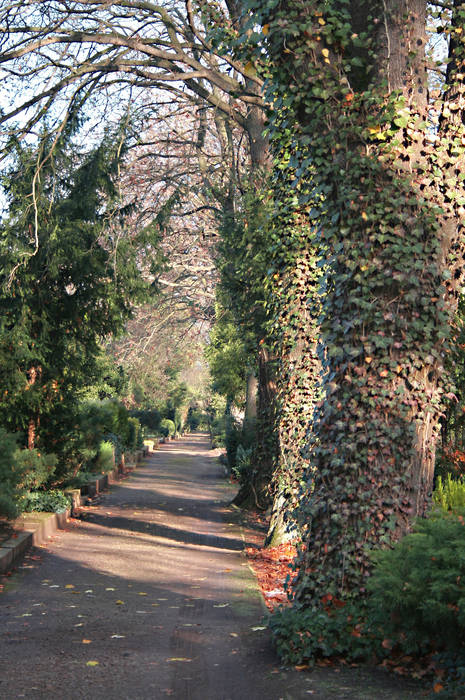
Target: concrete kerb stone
76,500
34,529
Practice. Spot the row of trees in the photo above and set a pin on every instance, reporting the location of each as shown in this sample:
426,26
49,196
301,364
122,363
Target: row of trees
335,233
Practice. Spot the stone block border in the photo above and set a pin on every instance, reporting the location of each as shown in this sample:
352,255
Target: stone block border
35,528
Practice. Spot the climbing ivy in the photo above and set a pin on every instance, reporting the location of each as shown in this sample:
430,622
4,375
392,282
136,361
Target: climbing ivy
293,312
386,163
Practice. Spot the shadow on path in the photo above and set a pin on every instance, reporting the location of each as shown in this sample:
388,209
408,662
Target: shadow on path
166,532
149,597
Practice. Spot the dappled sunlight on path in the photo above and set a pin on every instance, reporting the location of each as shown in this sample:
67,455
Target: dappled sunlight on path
149,595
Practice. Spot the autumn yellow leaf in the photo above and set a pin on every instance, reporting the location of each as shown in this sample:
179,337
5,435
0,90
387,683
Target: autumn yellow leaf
179,658
92,663
325,52
249,69
321,21
120,602
69,585
364,215
266,29
87,641
438,687
368,360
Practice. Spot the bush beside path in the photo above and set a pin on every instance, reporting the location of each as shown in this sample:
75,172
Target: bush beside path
149,595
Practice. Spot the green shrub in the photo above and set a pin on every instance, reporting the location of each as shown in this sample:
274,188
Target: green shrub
105,460
232,438
148,418
218,431
417,588
135,434
81,478
178,422
36,467
52,501
329,628
101,419
106,421
240,441
167,427
449,495
196,420
11,475
243,466
415,605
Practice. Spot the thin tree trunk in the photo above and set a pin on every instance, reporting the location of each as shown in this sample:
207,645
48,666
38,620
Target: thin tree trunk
251,398
33,375
256,493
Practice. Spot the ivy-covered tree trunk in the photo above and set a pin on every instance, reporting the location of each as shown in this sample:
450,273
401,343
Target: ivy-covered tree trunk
298,374
388,165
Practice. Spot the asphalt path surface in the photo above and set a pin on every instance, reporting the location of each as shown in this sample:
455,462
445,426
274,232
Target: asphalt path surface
150,596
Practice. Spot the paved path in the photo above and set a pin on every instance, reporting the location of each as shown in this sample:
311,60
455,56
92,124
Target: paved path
151,597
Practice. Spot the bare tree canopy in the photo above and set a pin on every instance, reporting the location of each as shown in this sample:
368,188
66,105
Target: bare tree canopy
56,55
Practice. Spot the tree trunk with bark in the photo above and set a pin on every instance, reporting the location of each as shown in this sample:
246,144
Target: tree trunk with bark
256,493
33,375
391,242
251,391
298,377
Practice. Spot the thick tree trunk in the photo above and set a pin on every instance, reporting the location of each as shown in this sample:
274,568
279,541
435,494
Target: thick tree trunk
297,382
391,244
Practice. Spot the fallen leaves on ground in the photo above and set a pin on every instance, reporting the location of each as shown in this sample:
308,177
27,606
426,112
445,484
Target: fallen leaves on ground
272,567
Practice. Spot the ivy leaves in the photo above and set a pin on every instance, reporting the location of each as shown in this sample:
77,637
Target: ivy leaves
384,205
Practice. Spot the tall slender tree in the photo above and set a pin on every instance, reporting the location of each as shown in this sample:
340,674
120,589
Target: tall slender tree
69,277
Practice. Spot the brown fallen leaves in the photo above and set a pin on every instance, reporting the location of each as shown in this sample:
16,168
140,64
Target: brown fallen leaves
272,568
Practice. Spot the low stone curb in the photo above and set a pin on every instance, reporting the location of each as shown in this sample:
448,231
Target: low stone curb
35,528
